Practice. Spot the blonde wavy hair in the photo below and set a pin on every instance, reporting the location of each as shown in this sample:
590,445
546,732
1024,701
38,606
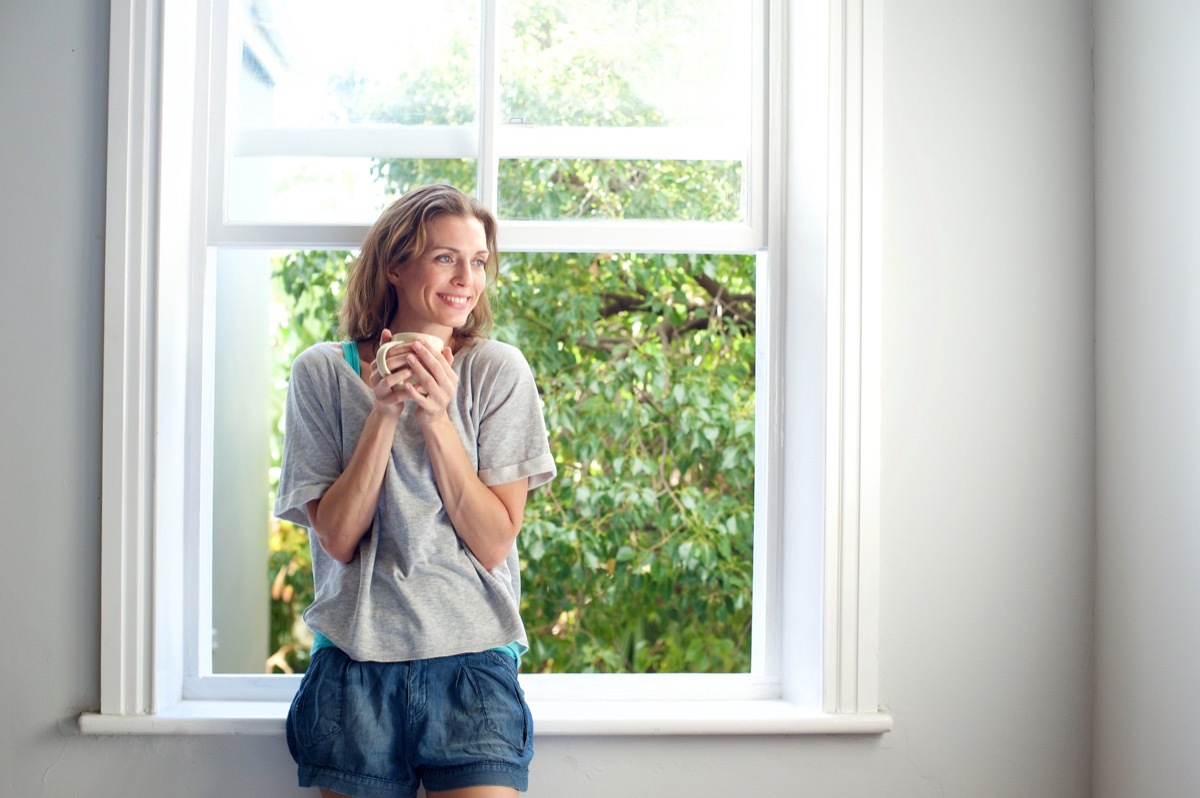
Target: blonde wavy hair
398,235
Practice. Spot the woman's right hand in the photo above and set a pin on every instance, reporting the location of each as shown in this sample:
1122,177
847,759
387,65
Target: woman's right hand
345,512
389,390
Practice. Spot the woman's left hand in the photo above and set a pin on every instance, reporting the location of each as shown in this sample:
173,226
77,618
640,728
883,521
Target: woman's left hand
433,383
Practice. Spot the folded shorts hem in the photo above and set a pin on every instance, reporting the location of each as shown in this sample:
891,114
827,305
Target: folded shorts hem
352,783
483,774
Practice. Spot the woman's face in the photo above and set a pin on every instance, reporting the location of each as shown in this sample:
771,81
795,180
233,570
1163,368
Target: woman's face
439,288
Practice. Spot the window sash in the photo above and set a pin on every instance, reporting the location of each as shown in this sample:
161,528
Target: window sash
150,518
491,141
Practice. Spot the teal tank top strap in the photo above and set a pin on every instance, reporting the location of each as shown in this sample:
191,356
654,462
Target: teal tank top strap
350,352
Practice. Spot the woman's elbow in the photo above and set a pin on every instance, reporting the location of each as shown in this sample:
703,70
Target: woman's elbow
336,547
332,534
495,555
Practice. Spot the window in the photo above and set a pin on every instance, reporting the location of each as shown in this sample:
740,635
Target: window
179,224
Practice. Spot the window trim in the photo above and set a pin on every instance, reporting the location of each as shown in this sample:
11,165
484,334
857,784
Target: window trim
832,252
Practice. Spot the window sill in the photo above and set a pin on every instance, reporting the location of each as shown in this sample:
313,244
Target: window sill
551,718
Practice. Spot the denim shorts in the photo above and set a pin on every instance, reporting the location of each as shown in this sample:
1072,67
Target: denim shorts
375,729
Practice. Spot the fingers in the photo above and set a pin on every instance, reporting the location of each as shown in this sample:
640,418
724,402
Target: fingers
395,359
385,337
433,383
389,390
437,364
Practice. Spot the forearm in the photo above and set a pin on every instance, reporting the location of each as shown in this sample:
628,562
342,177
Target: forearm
345,512
482,520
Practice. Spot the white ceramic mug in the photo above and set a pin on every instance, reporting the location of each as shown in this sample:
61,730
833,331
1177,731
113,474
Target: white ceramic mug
399,339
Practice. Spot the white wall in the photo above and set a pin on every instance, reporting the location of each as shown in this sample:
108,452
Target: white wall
987,470
1148,335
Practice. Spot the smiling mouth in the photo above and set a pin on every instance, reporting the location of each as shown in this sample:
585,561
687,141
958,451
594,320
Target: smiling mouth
457,301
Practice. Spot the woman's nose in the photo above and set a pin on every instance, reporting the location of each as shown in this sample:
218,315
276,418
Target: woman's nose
462,274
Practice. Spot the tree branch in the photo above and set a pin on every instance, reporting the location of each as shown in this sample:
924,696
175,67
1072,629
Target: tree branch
619,303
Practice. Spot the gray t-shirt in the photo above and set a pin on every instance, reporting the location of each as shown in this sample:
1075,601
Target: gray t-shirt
413,590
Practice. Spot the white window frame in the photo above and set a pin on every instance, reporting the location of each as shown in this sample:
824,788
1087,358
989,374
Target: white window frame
816,541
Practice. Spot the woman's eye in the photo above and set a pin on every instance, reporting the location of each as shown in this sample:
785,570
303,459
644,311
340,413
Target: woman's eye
479,264
443,258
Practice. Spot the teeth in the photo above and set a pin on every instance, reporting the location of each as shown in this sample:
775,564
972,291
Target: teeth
455,300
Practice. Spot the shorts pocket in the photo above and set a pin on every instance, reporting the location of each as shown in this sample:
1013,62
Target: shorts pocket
316,711
491,684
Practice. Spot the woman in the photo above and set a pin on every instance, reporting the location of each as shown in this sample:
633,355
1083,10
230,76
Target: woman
413,487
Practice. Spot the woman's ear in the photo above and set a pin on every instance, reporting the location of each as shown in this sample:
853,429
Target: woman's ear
393,277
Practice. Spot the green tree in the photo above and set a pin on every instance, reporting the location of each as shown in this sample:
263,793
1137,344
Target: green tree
638,557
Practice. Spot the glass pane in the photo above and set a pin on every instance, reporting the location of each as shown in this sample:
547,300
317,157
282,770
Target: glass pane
332,190
268,307
244,403
638,557
309,63
625,62
540,189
